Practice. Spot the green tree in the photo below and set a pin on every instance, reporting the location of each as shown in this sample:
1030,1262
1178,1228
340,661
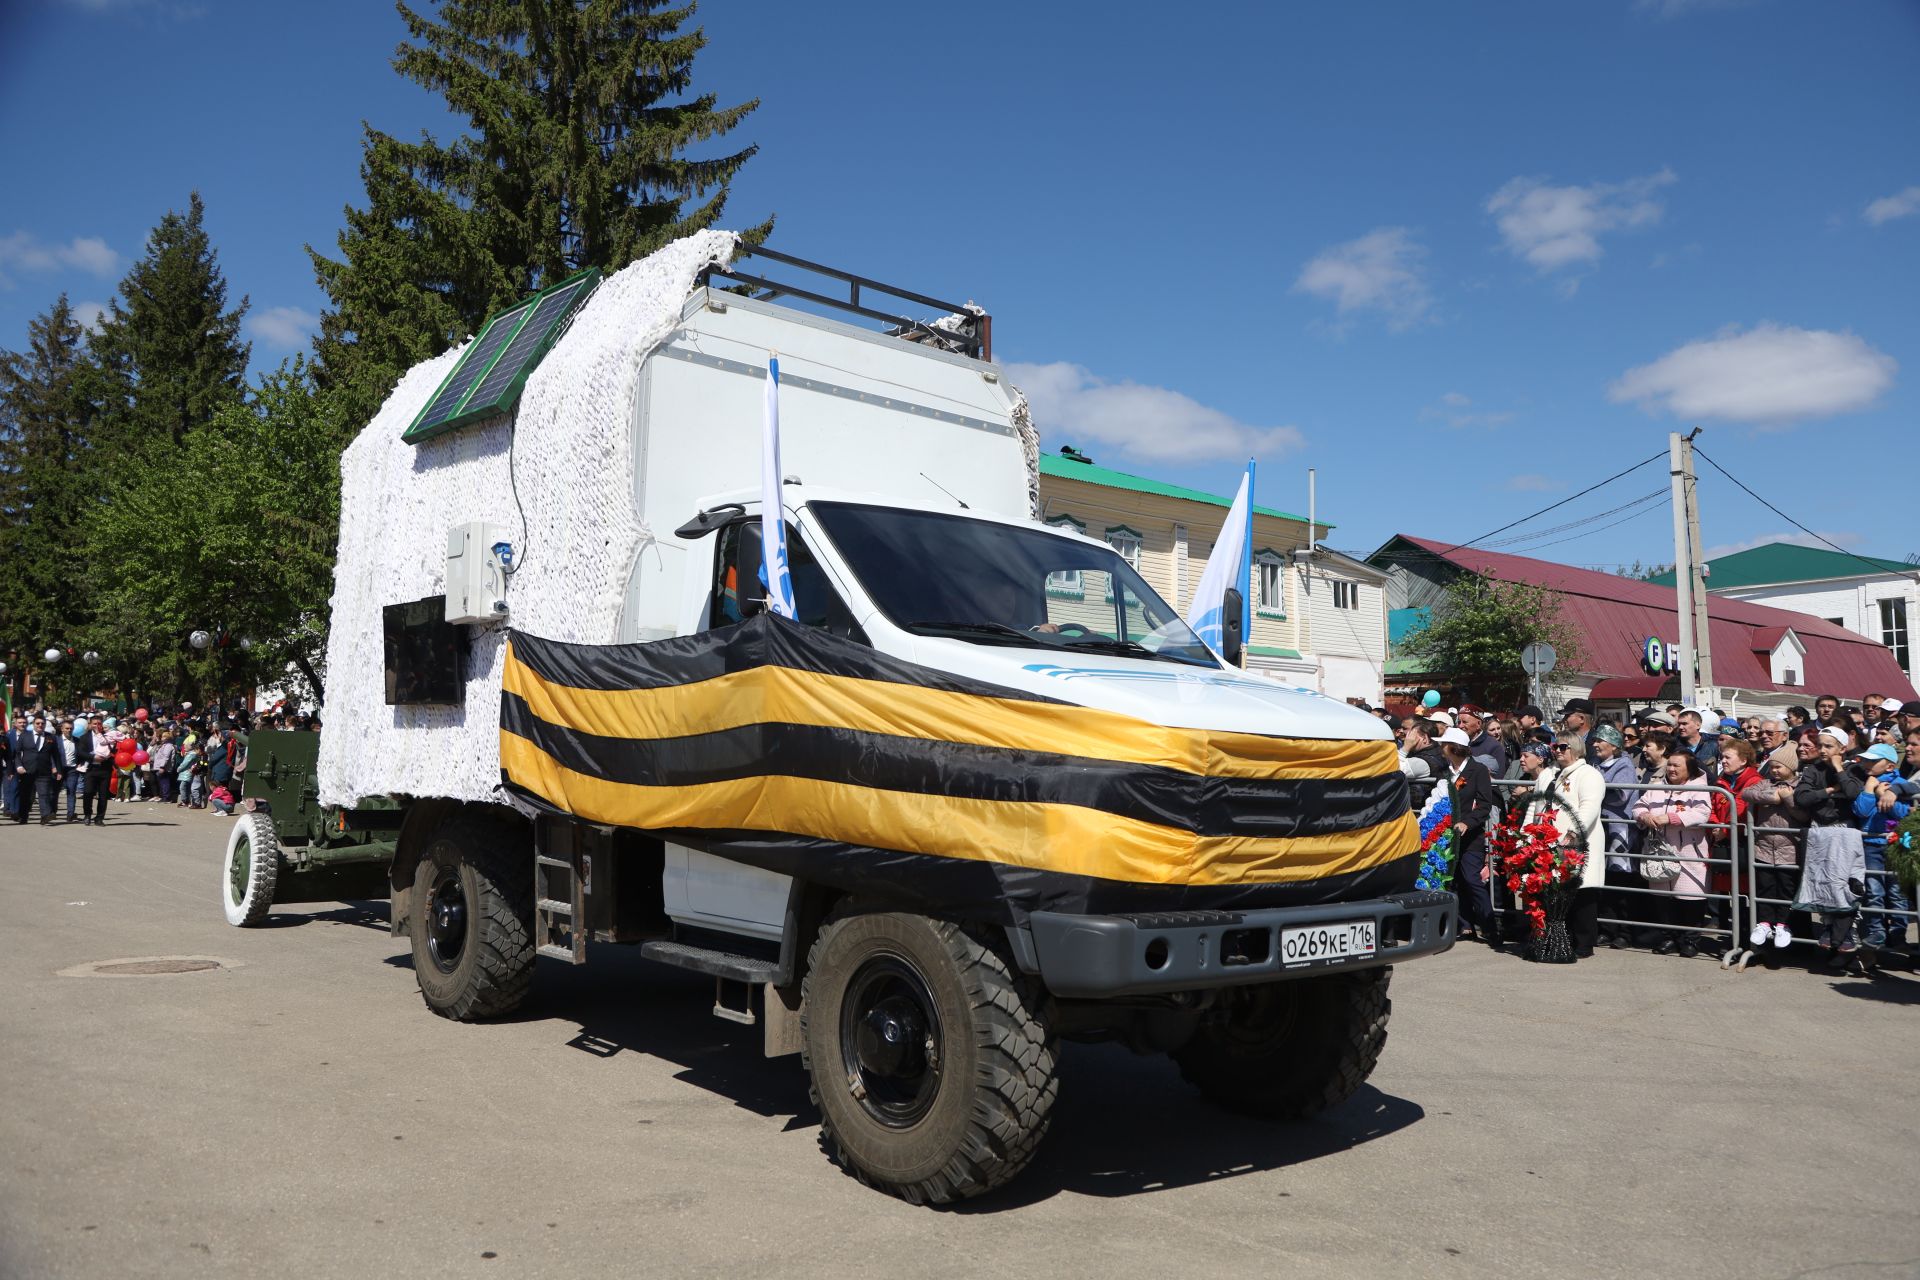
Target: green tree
236,535
1477,630
169,351
47,491
580,124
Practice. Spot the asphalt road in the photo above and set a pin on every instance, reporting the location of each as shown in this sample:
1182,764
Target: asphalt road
298,1111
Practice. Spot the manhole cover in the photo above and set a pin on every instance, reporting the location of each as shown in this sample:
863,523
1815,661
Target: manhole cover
136,967
148,966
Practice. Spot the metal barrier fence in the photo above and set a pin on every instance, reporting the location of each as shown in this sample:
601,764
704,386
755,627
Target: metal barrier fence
1895,913
1721,914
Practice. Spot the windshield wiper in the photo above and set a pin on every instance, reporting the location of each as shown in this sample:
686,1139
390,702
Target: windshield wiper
1130,649
997,630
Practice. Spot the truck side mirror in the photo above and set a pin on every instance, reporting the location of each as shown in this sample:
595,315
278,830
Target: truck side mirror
1231,611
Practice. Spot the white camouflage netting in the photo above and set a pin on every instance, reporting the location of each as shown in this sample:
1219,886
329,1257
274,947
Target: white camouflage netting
574,468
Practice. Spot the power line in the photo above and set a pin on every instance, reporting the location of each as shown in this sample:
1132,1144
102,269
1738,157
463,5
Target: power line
1575,524
1876,566
1556,506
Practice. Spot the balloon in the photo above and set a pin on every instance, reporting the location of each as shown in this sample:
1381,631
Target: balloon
80,730
112,723
1431,700
139,713
139,757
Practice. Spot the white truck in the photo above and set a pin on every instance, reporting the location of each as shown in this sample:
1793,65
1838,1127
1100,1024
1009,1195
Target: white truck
986,792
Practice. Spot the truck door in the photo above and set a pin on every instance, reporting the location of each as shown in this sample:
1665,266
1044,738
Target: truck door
699,887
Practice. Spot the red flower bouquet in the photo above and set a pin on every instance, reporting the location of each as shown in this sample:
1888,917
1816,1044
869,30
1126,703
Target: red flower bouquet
1540,871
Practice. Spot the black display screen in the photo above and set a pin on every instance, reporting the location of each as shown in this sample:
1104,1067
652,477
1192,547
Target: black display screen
426,654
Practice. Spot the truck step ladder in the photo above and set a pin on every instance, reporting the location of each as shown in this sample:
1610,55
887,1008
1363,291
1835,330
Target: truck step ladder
749,972
560,888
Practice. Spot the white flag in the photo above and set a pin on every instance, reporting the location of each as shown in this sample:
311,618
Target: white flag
774,575
1226,568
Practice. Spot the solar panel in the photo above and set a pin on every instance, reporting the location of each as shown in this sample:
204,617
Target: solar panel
491,373
472,365
552,307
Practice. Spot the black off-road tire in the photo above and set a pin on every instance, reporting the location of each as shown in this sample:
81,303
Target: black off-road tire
1287,1050
246,891
997,1080
492,970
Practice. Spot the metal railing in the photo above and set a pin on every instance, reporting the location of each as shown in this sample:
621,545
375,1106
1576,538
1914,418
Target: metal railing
1893,918
1723,913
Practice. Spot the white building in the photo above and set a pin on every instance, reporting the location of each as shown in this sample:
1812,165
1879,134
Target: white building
1319,622
1879,599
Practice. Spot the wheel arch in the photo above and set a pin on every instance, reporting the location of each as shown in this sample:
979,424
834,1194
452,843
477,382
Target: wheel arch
423,818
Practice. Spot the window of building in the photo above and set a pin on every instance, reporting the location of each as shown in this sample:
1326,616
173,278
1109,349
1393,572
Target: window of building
1838,622
1270,583
1127,542
1067,581
1346,595
1893,630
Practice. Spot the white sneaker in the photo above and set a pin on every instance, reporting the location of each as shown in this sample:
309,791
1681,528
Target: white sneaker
1759,935
1781,936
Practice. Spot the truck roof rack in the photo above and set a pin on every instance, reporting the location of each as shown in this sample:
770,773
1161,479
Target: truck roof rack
963,328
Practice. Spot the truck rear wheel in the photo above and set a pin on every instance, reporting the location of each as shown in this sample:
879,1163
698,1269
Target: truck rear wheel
1285,1050
930,1057
251,870
471,920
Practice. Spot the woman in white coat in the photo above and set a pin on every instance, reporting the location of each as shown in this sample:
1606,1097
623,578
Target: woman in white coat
1575,790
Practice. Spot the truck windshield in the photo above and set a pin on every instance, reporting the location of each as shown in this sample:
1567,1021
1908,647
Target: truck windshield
947,575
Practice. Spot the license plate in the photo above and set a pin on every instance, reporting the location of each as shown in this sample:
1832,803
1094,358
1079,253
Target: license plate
1320,943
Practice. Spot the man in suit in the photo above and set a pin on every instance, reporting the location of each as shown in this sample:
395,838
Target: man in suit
36,767
9,746
1470,790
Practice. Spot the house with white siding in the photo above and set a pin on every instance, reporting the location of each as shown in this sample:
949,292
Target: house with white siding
1319,619
1875,598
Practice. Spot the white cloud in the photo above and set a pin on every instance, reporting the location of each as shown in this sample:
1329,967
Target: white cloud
89,315
1382,271
1793,539
1769,376
1456,410
285,328
24,251
1555,227
1532,484
1899,205
1073,406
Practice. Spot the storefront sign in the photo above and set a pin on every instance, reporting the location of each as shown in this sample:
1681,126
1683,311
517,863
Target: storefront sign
1658,658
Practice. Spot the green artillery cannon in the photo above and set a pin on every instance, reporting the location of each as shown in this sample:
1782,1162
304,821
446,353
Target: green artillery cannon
288,847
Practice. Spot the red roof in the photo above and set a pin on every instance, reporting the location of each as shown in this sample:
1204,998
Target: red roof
1615,615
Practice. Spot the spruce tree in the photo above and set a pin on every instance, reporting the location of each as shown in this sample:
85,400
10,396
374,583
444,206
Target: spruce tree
47,492
577,157
169,351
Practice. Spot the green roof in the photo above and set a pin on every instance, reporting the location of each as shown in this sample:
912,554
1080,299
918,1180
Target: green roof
1052,464
1271,651
1784,562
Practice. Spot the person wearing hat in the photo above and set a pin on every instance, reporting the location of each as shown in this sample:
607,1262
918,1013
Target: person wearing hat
1576,718
1826,789
1885,799
1482,745
1470,792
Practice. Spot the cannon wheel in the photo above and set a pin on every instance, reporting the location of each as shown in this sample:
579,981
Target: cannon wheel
251,869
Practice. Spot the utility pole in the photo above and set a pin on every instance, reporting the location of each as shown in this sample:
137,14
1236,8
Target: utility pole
1696,639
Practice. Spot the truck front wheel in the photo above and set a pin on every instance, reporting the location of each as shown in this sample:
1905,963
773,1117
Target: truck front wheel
930,1057
471,920
1285,1050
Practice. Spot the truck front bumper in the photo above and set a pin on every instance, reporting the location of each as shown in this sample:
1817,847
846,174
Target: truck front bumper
1116,955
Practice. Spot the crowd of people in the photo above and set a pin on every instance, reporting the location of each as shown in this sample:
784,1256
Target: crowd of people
1655,799
154,755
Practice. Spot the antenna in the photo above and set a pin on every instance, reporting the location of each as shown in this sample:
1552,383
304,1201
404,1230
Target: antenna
942,488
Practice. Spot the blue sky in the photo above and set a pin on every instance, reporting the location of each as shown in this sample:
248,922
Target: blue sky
1463,259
